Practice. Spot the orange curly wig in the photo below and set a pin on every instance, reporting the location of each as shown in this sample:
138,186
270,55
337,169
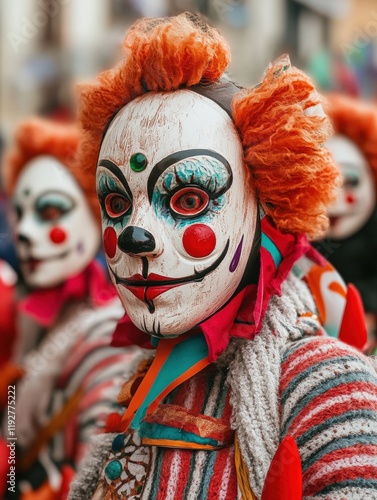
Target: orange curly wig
38,136
356,120
283,137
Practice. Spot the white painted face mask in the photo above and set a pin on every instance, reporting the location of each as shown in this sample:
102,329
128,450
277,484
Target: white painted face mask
57,235
356,199
179,215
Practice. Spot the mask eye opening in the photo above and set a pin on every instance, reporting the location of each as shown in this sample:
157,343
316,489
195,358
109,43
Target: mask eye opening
188,202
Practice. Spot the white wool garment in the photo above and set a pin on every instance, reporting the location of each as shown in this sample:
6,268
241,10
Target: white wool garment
254,375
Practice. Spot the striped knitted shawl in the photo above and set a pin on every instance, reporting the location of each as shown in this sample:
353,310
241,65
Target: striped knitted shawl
254,375
316,389
272,398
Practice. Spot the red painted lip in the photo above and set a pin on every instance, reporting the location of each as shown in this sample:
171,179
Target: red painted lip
32,263
138,280
334,220
148,293
149,288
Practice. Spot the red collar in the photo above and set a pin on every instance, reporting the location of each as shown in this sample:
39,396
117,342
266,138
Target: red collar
44,305
243,315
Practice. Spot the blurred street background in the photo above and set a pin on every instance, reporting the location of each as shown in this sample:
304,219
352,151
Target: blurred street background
48,45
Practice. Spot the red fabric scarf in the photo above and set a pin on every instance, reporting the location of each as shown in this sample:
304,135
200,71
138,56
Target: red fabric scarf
243,315
44,305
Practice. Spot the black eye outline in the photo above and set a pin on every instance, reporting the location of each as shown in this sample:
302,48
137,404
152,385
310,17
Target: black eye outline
107,185
18,211
45,213
176,194
351,182
64,207
107,199
193,179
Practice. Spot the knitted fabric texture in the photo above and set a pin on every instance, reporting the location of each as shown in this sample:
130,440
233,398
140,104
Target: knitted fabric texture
254,374
328,394
168,472
187,474
85,483
275,382
323,393
66,395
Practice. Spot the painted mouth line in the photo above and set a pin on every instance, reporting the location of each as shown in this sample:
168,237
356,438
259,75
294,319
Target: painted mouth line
148,289
335,218
340,215
34,260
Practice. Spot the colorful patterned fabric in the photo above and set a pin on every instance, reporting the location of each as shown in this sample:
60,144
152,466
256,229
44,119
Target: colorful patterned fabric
243,315
290,380
176,360
71,382
328,397
179,474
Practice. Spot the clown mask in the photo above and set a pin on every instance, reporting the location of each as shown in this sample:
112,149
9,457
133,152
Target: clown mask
57,236
179,215
357,198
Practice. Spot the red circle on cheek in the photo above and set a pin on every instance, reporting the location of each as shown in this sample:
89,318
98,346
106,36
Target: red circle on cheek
350,199
199,240
110,241
58,235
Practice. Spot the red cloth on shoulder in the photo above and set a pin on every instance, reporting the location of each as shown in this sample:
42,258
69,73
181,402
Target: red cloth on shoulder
44,305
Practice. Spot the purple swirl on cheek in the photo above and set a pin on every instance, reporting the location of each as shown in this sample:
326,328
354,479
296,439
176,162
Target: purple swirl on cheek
236,257
80,247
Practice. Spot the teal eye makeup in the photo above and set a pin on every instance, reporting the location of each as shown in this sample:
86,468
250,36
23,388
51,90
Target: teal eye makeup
114,200
192,189
351,176
351,180
52,206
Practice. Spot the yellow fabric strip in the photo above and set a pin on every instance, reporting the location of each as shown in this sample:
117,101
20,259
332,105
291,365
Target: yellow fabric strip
169,443
242,474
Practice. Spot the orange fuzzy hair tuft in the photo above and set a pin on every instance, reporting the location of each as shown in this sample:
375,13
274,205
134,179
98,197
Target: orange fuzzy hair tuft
356,120
38,136
159,54
293,174
283,129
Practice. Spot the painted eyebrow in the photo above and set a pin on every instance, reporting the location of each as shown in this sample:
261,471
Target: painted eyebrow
52,192
350,166
166,162
114,169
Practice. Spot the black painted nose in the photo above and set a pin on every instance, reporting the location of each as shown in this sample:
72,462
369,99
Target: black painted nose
23,239
135,240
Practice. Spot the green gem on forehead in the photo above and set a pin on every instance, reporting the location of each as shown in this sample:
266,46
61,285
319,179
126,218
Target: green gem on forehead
138,162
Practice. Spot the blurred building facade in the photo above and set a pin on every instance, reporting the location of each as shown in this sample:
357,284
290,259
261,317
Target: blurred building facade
48,45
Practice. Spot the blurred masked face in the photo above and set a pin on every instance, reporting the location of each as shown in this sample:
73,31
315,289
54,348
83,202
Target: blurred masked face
57,235
357,198
178,213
